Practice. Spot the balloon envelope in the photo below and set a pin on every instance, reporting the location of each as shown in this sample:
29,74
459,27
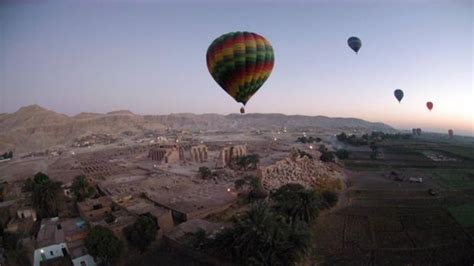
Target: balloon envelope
240,62
355,43
398,94
429,105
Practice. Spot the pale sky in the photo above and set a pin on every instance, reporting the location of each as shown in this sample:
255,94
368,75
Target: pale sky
149,57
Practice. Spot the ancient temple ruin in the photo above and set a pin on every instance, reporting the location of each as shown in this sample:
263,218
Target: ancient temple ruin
227,154
169,154
164,154
196,153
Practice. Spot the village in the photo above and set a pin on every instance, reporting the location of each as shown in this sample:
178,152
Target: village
177,181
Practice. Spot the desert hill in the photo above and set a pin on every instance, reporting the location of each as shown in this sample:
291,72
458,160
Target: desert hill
34,127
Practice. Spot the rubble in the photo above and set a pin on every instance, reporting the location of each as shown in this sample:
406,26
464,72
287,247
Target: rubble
294,169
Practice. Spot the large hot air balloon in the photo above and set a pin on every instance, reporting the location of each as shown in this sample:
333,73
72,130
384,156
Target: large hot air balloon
398,94
450,133
429,105
240,62
355,43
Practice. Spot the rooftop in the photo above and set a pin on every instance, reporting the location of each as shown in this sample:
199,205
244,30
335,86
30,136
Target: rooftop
59,261
91,204
192,226
55,231
139,206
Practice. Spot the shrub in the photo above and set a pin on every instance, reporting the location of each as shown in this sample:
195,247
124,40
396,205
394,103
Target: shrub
327,156
342,154
205,172
329,198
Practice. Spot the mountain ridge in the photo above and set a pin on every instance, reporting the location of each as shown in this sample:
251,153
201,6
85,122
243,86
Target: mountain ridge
35,127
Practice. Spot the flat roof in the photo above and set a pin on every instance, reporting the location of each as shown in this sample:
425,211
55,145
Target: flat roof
51,233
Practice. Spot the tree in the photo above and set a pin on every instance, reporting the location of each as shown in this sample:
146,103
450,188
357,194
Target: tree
45,195
342,154
263,237
29,185
248,162
40,178
329,198
205,172
81,189
342,137
374,148
327,156
322,148
103,244
239,184
296,202
257,191
253,160
142,232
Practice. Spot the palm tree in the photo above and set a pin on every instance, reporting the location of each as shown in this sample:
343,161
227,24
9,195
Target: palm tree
81,188
296,202
45,197
256,188
255,231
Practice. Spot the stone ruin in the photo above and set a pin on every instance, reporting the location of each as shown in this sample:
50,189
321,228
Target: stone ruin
164,154
294,169
169,154
196,153
227,154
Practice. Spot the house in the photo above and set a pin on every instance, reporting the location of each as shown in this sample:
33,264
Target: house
103,211
141,206
22,221
26,212
93,210
60,241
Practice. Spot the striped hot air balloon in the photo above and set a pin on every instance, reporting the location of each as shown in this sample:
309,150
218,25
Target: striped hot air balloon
240,62
355,43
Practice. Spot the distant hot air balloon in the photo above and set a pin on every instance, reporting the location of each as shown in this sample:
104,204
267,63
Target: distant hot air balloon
450,133
240,62
429,105
398,94
355,43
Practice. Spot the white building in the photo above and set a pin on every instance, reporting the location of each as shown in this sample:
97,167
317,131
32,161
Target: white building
62,238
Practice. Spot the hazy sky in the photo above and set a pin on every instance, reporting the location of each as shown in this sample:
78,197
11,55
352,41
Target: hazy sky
149,57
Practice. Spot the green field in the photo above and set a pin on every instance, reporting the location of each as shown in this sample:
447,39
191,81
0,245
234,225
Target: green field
464,214
465,152
454,178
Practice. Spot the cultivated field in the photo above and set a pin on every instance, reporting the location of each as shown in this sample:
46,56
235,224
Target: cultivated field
390,221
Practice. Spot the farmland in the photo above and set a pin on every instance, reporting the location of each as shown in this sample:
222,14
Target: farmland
385,219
